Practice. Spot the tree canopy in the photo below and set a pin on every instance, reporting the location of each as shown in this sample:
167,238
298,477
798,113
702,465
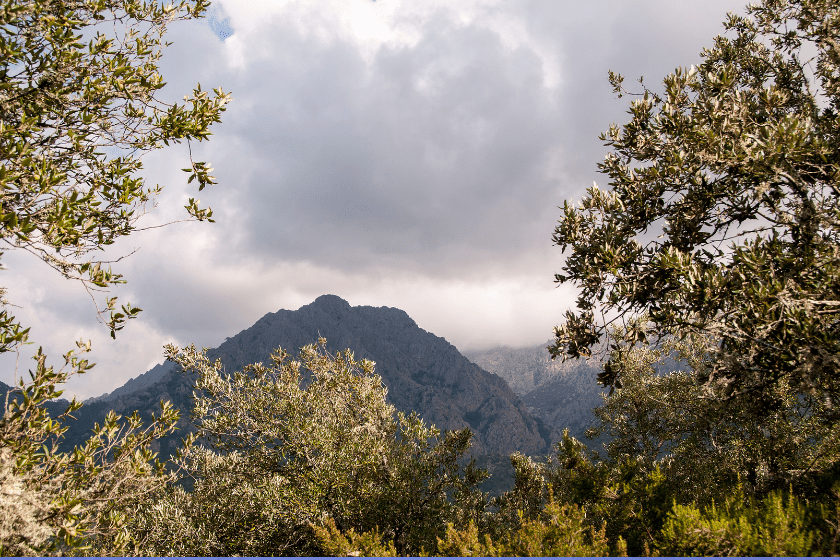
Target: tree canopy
305,444
77,112
722,216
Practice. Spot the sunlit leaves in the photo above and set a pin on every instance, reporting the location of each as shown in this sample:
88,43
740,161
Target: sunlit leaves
722,218
64,104
76,500
307,444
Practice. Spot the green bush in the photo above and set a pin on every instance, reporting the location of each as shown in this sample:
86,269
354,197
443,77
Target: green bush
301,445
779,525
560,530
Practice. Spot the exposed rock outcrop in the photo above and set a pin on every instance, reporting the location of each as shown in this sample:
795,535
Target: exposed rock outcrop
423,373
562,394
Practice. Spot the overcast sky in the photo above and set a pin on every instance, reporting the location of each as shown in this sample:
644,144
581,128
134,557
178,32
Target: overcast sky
396,153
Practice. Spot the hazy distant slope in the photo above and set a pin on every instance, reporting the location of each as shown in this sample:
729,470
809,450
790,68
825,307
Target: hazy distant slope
142,381
562,394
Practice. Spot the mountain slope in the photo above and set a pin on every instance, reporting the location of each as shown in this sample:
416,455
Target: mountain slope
142,381
562,394
423,373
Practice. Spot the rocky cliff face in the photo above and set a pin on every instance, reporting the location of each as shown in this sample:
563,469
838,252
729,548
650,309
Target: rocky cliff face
524,369
562,394
423,372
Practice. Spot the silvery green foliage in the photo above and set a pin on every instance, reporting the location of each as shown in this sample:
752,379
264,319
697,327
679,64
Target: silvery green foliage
76,116
705,446
23,512
78,502
304,443
722,215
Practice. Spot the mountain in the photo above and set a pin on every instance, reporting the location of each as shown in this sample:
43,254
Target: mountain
562,394
142,381
423,373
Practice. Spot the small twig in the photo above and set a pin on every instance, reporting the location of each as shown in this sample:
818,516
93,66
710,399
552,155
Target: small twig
162,225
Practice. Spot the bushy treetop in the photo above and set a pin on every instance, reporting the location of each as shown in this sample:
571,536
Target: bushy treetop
722,217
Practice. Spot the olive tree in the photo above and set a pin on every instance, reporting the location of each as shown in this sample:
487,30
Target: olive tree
662,416
722,216
58,503
300,446
70,93
78,80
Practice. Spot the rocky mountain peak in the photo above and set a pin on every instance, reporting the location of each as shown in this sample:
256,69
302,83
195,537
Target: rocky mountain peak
423,372
329,304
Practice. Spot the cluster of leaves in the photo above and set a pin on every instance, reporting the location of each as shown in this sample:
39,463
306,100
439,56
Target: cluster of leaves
78,80
717,246
723,219
58,503
558,531
291,452
64,104
705,443
622,507
779,525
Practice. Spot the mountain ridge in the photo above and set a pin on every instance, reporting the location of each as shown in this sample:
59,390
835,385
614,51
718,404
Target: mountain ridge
561,393
423,373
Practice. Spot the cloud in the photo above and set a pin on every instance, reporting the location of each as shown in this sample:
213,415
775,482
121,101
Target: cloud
430,151
409,154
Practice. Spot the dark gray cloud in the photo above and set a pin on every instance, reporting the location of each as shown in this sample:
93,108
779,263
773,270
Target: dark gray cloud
445,149
420,170
429,151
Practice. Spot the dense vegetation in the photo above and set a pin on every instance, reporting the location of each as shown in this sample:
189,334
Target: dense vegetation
716,246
